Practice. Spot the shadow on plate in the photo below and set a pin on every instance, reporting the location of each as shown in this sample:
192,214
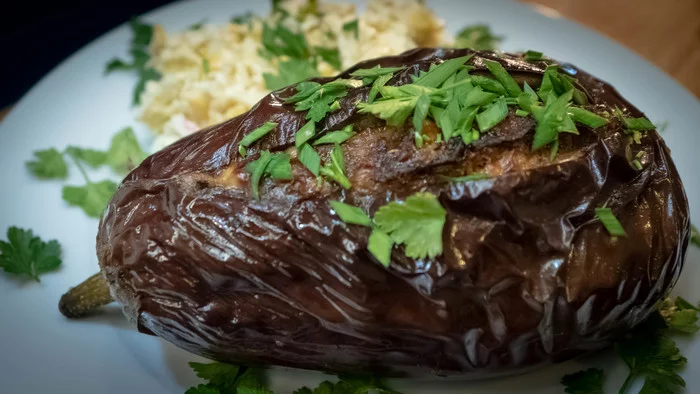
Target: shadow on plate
110,315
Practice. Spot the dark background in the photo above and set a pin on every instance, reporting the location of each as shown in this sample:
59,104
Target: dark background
36,36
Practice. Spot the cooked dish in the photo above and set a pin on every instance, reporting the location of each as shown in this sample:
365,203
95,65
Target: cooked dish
443,211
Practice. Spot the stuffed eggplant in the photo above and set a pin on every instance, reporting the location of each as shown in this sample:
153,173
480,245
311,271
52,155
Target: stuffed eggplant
443,211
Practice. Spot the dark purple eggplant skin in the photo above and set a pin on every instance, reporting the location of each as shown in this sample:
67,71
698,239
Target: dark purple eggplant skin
528,275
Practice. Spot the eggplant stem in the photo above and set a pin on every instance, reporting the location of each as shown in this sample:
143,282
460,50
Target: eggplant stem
86,298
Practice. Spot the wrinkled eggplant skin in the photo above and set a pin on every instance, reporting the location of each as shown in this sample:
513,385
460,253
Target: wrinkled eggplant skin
528,275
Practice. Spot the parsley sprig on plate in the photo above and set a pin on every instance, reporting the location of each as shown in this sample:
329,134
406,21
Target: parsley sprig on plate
141,39
224,378
123,155
649,352
26,254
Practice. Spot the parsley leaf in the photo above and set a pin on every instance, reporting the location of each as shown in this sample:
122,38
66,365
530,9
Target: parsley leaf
586,117
305,133
218,374
532,56
440,73
330,56
335,137
275,165
125,153
255,135
589,381
503,77
694,236
252,381
142,35
681,316
610,222
310,159
376,85
478,37
290,71
417,223
352,27
26,254
380,245
394,111
280,41
93,158
203,389
351,214
493,114
650,353
634,124
91,198
551,120
349,385
48,164
335,170
369,75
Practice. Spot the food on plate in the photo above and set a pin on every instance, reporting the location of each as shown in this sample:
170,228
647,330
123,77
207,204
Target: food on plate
213,72
444,211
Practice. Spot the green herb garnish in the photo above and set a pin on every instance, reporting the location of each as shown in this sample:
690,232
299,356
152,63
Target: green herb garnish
351,214
503,77
369,75
142,35
305,133
330,56
606,216
274,165
335,137
352,27
310,159
586,117
48,164
589,381
290,71
26,254
634,124
477,37
92,198
255,135
416,223
492,115
532,56
694,236
335,170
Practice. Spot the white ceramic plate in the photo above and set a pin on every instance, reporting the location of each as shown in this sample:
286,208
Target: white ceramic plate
41,352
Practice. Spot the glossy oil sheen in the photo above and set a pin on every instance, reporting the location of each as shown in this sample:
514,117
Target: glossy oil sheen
528,275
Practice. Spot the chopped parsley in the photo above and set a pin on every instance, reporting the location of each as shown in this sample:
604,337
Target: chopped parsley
26,254
290,71
142,35
330,56
369,75
335,169
310,159
634,124
416,223
503,77
352,27
493,114
255,135
274,165
606,216
351,214
305,133
335,137
318,99
478,37
532,56
589,381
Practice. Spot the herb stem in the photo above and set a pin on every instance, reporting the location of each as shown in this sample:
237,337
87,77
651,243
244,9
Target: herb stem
627,384
80,167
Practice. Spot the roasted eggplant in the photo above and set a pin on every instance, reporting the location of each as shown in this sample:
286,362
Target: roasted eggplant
528,274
